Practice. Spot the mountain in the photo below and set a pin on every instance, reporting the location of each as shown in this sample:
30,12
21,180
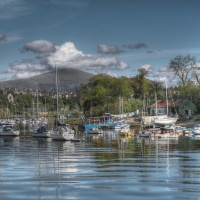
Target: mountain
68,80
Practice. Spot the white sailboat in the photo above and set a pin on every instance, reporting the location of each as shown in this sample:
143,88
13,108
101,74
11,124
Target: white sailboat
62,132
166,126
166,120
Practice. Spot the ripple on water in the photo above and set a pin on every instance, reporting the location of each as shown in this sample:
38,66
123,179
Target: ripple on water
110,169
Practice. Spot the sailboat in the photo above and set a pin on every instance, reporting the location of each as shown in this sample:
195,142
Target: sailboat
62,131
39,129
144,130
166,121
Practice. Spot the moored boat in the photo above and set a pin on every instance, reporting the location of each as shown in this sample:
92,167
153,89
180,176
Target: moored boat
125,132
63,133
8,130
196,129
41,131
94,131
164,134
144,133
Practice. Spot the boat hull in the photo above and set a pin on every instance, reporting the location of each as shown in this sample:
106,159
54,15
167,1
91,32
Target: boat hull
64,136
44,134
9,133
164,121
144,133
125,133
155,136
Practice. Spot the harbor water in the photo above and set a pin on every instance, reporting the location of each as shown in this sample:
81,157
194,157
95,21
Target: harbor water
100,167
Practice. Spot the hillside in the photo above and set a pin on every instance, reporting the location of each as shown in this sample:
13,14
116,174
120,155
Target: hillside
68,79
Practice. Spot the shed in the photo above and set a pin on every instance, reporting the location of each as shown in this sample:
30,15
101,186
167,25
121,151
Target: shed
179,106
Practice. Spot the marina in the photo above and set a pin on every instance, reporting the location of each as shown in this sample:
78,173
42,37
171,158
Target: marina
107,166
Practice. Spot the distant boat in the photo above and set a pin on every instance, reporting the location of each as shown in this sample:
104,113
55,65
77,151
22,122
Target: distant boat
196,129
63,133
41,131
94,131
7,129
125,132
166,120
106,120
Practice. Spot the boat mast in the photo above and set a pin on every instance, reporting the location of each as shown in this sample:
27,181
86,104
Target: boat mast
56,95
166,97
156,104
37,103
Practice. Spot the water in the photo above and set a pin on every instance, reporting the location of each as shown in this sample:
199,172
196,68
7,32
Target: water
106,167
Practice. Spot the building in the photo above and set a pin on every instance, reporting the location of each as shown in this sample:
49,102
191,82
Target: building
179,106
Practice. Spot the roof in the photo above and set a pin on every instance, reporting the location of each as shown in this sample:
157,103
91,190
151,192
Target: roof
171,103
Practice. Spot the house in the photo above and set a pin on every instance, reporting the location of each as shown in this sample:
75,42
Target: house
179,106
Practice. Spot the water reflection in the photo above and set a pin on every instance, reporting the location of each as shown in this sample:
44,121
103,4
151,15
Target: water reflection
108,165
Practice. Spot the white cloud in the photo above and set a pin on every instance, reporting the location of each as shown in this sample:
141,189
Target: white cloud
26,67
64,56
112,49
163,74
26,70
68,56
21,75
39,46
122,66
148,67
111,74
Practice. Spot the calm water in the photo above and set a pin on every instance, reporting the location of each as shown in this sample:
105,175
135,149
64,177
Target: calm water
108,167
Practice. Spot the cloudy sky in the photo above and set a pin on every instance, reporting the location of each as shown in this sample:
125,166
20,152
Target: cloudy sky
117,37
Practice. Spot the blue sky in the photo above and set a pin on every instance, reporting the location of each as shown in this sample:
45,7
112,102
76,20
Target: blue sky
117,37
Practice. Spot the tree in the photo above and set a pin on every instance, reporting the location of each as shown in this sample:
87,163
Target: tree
140,83
182,66
196,74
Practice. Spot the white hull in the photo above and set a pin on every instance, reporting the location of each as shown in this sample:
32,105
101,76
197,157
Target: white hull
44,134
121,126
94,131
9,133
165,121
158,136
144,134
62,133
8,130
148,120
64,136
40,131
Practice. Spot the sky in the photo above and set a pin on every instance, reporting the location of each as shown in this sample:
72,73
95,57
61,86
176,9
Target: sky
117,37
